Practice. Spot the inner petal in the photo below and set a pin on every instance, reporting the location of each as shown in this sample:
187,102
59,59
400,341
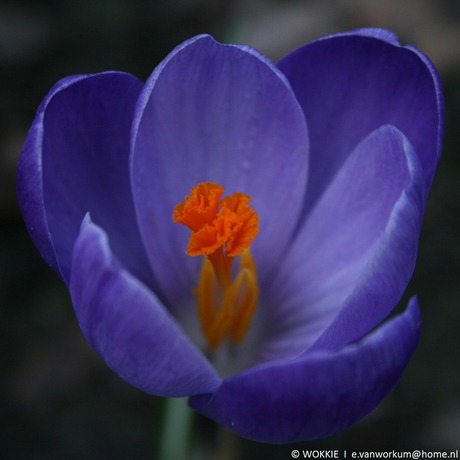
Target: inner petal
336,247
221,113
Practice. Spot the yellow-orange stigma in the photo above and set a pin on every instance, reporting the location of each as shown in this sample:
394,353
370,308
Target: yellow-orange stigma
221,230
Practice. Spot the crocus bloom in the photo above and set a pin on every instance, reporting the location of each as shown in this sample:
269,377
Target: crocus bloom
336,145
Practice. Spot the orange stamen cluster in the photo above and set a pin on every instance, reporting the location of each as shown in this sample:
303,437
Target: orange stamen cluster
224,307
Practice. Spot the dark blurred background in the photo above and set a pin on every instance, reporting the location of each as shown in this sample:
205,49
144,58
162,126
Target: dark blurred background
58,400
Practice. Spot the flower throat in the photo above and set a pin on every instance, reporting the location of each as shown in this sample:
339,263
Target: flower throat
221,230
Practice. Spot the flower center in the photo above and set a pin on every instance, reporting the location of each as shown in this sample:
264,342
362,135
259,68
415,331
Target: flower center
221,230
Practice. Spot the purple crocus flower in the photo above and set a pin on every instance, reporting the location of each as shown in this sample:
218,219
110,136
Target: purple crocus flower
336,145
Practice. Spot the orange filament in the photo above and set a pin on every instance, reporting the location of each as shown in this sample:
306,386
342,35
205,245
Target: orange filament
225,308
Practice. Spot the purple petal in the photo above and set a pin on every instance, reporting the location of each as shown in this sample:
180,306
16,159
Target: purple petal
75,160
382,34
318,394
30,180
354,255
220,113
127,325
385,279
350,84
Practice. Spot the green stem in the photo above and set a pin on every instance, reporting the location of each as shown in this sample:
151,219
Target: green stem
176,436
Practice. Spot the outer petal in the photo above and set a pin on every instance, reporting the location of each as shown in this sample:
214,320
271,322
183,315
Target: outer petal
75,160
30,180
354,255
318,394
350,84
220,113
126,324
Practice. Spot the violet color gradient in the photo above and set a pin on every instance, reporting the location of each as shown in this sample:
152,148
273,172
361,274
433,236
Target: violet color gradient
337,144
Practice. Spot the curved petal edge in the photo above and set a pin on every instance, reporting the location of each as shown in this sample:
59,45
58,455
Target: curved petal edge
351,83
318,394
74,161
375,32
388,272
29,185
127,325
